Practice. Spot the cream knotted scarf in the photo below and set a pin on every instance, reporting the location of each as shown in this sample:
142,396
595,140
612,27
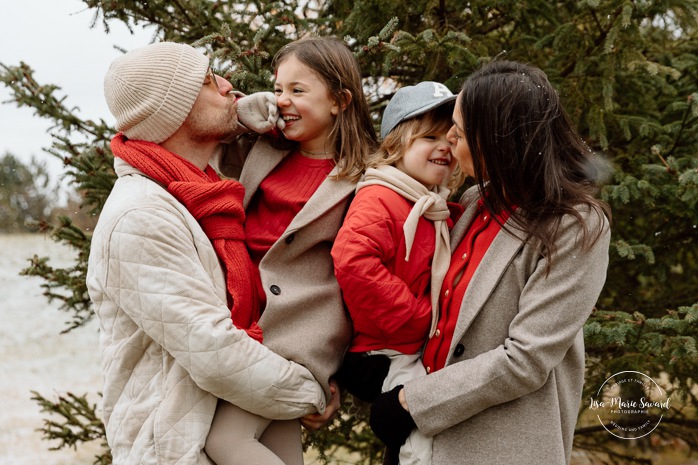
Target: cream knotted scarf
428,203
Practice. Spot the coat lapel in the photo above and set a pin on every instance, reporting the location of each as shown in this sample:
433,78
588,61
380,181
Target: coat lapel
262,159
490,270
469,202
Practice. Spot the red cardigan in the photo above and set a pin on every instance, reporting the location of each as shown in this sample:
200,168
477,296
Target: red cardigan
388,298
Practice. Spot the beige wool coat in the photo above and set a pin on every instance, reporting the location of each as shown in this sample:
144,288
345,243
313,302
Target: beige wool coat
512,384
305,319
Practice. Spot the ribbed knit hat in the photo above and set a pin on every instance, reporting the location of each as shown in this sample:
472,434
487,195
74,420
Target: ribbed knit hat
151,90
411,101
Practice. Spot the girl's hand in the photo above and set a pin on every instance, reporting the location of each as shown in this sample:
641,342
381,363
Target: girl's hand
315,421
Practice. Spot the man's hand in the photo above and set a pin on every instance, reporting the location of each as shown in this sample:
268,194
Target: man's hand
315,421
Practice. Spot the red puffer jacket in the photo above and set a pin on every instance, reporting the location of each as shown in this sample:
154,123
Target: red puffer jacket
388,298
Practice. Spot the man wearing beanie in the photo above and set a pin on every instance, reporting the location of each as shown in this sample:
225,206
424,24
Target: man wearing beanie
168,268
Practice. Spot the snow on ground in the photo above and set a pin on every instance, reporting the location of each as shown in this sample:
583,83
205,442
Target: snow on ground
35,356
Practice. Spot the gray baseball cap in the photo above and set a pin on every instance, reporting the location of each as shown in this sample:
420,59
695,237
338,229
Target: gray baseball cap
411,101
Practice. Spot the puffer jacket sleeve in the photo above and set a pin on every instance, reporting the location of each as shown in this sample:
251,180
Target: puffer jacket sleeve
379,302
157,277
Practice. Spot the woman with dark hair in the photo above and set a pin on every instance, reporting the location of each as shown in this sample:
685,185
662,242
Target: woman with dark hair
506,364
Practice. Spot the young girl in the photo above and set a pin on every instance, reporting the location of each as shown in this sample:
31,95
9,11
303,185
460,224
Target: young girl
529,262
392,252
295,200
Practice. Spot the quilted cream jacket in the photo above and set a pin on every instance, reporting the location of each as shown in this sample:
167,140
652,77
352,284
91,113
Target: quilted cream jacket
168,346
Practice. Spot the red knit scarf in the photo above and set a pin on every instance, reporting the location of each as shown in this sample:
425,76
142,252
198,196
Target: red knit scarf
217,206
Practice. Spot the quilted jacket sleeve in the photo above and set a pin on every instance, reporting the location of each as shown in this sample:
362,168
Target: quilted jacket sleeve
154,273
380,303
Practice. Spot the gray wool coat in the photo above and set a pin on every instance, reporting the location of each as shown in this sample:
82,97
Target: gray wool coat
512,384
305,319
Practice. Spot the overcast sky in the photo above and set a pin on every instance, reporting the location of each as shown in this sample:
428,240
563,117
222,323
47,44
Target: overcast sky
54,38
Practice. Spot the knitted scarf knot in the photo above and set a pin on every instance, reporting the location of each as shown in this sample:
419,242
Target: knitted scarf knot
428,203
217,205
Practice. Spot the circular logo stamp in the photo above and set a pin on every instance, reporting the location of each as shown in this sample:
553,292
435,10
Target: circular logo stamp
629,405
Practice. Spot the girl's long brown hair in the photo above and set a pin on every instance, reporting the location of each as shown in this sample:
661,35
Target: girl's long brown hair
353,135
528,159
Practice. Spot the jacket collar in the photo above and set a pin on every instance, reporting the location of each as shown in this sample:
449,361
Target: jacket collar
122,169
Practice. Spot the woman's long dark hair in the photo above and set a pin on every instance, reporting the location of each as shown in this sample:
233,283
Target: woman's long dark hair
528,159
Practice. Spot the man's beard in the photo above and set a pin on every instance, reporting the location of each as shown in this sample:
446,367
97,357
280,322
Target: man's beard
209,127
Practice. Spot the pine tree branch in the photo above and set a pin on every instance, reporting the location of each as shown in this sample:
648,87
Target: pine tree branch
603,34
685,123
498,23
77,423
442,21
28,92
183,11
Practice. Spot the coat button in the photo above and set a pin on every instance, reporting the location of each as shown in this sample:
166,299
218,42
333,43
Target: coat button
276,290
458,350
289,238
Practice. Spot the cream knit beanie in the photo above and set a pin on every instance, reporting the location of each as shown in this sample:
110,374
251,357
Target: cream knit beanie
151,90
